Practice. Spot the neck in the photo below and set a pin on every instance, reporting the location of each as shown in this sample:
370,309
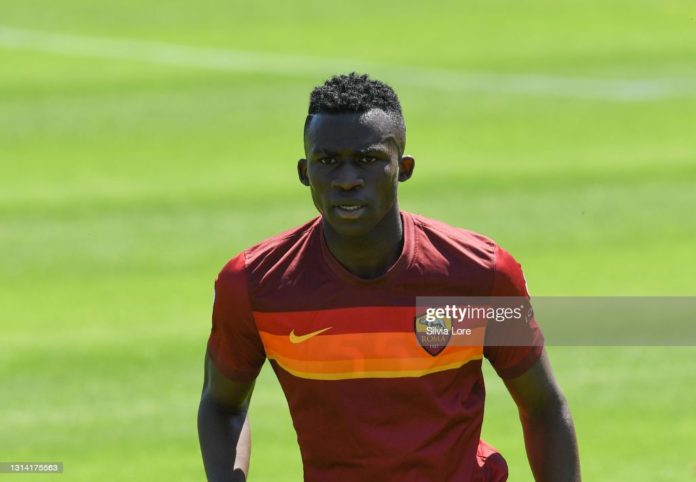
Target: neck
371,255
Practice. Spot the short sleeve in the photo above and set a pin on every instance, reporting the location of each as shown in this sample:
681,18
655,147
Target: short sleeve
520,344
234,344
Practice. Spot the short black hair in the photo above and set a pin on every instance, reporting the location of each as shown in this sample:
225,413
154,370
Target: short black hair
354,93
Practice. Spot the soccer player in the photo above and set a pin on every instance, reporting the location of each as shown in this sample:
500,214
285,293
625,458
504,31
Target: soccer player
331,305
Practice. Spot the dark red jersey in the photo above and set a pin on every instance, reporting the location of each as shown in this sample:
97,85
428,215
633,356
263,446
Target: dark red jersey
367,401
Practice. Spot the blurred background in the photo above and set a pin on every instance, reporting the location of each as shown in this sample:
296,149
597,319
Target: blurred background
143,144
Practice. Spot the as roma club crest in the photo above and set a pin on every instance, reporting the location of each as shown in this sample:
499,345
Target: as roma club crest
433,333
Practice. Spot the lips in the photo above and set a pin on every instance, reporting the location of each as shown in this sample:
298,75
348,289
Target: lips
349,210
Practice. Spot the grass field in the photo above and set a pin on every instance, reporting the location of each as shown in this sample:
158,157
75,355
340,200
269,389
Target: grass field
132,168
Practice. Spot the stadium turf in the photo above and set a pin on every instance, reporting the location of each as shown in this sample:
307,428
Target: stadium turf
130,172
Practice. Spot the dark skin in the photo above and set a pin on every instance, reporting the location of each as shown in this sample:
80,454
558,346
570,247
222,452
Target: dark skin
353,165
549,434
223,427
354,161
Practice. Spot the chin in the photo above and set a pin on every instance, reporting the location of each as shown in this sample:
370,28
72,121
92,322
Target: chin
354,227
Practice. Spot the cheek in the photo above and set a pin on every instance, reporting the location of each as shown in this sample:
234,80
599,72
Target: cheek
391,176
388,186
316,198
393,171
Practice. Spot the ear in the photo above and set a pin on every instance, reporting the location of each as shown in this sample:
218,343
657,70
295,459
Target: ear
302,171
406,166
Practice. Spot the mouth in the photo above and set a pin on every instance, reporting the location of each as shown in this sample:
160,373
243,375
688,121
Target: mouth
349,210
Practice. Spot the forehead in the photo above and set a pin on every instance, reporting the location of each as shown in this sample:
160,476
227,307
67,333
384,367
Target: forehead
350,131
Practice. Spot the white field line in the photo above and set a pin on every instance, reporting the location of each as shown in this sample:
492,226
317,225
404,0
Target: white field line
318,68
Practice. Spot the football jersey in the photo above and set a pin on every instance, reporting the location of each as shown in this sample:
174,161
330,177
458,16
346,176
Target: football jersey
368,402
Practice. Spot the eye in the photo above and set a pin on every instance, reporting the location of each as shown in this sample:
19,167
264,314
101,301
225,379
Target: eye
367,159
326,161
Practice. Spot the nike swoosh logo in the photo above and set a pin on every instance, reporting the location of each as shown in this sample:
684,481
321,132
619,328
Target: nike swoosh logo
300,338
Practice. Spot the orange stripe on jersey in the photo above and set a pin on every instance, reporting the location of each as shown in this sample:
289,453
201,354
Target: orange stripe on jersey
355,372
381,364
364,355
353,346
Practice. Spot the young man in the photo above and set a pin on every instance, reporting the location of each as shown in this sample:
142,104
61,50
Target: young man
331,305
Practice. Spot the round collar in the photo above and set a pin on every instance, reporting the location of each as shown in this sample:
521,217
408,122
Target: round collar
399,265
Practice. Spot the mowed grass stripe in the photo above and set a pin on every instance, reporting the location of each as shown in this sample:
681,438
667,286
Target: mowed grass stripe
126,184
284,64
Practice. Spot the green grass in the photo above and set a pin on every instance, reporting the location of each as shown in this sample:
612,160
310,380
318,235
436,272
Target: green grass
125,185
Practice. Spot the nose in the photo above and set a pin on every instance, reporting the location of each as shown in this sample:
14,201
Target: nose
347,178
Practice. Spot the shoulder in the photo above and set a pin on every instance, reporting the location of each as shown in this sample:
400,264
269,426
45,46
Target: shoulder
437,236
509,278
268,253
468,253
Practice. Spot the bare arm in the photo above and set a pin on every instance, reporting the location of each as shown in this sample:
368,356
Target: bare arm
549,434
223,427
